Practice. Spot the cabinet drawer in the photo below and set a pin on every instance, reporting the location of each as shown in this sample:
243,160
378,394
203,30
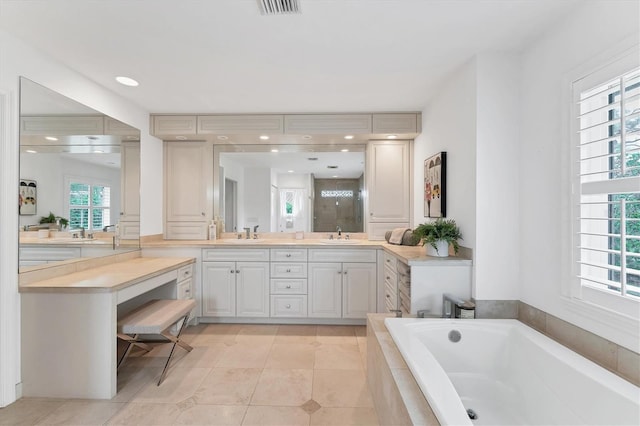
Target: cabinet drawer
185,272
287,286
48,253
342,255
288,255
391,294
289,306
233,255
185,289
186,231
390,275
289,270
390,260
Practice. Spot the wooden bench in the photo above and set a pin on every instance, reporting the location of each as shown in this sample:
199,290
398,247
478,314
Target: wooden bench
155,318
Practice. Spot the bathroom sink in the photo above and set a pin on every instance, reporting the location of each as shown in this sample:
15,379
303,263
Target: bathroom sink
339,242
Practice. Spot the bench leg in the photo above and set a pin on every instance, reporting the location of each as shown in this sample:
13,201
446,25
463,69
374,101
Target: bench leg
131,342
176,341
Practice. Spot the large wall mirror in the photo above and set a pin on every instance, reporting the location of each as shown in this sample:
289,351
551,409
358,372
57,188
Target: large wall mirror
79,180
290,188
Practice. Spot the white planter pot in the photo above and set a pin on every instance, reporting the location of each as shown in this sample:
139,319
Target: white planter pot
441,250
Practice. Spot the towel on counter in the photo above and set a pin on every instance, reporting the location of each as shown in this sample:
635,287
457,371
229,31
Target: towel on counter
397,234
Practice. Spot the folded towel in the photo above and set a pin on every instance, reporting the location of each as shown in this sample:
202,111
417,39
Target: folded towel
396,235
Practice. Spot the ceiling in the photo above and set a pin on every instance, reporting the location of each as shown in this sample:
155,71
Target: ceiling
223,56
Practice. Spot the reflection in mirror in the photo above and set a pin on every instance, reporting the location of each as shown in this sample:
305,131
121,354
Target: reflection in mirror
79,180
289,188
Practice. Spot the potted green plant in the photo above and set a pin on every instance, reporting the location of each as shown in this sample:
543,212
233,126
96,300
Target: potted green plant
54,221
437,236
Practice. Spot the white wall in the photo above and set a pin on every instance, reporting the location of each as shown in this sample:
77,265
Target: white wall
497,232
449,124
49,170
590,32
257,201
18,59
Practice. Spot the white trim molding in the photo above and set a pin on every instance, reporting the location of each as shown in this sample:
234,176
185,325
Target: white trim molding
9,297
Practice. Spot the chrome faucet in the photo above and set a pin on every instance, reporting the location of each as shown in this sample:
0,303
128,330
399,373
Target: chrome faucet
247,232
81,232
255,232
106,228
339,231
448,300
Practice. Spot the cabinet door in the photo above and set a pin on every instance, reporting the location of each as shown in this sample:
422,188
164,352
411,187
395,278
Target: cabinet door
188,171
389,181
252,289
325,290
358,289
130,182
219,289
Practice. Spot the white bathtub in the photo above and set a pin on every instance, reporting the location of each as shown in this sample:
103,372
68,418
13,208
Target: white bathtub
509,374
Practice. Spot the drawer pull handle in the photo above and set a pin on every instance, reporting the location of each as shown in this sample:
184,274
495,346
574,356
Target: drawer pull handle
237,271
288,254
288,306
388,296
388,277
232,271
288,270
289,286
187,291
345,272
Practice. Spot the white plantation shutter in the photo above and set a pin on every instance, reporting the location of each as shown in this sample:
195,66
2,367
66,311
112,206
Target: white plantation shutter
607,185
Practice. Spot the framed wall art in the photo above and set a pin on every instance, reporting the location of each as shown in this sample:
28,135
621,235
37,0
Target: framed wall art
435,185
28,197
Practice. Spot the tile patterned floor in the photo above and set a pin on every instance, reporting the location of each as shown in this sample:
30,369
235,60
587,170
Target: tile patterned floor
235,375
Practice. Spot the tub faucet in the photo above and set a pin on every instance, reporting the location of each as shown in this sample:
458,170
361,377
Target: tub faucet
448,300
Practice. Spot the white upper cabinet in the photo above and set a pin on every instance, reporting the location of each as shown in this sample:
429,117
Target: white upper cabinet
396,123
188,185
240,124
130,182
328,124
174,125
389,181
62,125
404,125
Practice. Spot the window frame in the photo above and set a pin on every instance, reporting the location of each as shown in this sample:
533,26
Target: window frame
586,298
91,182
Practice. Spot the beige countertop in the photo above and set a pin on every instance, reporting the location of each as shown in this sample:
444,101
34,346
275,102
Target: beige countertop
108,278
412,255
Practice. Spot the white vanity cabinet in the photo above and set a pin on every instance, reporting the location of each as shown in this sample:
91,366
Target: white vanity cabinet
389,186
188,189
342,283
288,282
30,256
235,282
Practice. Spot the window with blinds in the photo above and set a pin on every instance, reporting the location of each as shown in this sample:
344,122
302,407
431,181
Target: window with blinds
607,183
89,206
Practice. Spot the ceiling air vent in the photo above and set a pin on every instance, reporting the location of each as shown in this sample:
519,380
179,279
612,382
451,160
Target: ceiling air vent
279,7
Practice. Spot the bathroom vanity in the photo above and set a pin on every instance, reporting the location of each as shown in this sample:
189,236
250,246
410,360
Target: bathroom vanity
69,316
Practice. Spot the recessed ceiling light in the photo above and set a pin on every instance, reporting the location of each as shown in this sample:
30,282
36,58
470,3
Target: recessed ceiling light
51,138
98,151
349,137
344,150
181,138
335,176
274,150
127,81
307,137
391,136
290,171
264,137
31,151
223,137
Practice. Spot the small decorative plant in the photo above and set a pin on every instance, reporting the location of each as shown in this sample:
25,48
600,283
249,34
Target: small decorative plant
439,230
53,219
